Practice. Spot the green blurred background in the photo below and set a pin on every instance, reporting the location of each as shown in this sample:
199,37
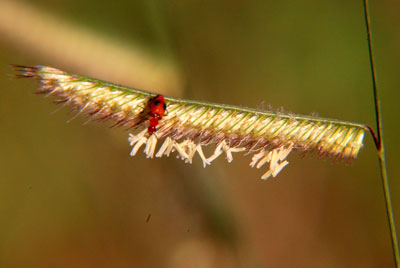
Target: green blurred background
70,195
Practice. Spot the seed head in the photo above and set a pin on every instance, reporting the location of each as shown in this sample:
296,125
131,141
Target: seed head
189,125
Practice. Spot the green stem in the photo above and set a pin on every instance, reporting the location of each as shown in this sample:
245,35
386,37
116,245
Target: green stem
389,208
380,144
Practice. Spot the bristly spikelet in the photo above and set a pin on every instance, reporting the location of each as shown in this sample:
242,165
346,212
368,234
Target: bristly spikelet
189,125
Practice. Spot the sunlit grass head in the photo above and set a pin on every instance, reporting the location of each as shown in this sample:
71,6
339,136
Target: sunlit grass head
188,126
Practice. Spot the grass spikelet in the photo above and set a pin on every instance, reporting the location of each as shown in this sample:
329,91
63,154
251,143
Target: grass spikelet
190,125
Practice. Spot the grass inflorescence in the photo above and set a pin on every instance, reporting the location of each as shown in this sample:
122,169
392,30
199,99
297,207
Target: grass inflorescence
190,125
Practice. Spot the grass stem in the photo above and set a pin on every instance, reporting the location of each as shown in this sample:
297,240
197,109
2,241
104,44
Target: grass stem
380,143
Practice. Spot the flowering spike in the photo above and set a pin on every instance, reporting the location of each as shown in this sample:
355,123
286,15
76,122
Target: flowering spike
187,125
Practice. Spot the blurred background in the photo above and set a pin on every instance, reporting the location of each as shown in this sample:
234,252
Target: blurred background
70,195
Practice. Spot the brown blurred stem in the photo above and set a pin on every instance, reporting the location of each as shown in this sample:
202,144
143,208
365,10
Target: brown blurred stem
380,143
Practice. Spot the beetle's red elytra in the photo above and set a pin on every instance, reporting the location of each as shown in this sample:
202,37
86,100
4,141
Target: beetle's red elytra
157,108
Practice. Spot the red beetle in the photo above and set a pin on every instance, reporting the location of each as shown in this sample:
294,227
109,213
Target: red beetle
157,108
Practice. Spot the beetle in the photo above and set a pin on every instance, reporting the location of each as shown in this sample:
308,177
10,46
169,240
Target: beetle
157,108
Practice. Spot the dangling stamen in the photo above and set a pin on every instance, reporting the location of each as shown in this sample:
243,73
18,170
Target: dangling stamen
150,146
